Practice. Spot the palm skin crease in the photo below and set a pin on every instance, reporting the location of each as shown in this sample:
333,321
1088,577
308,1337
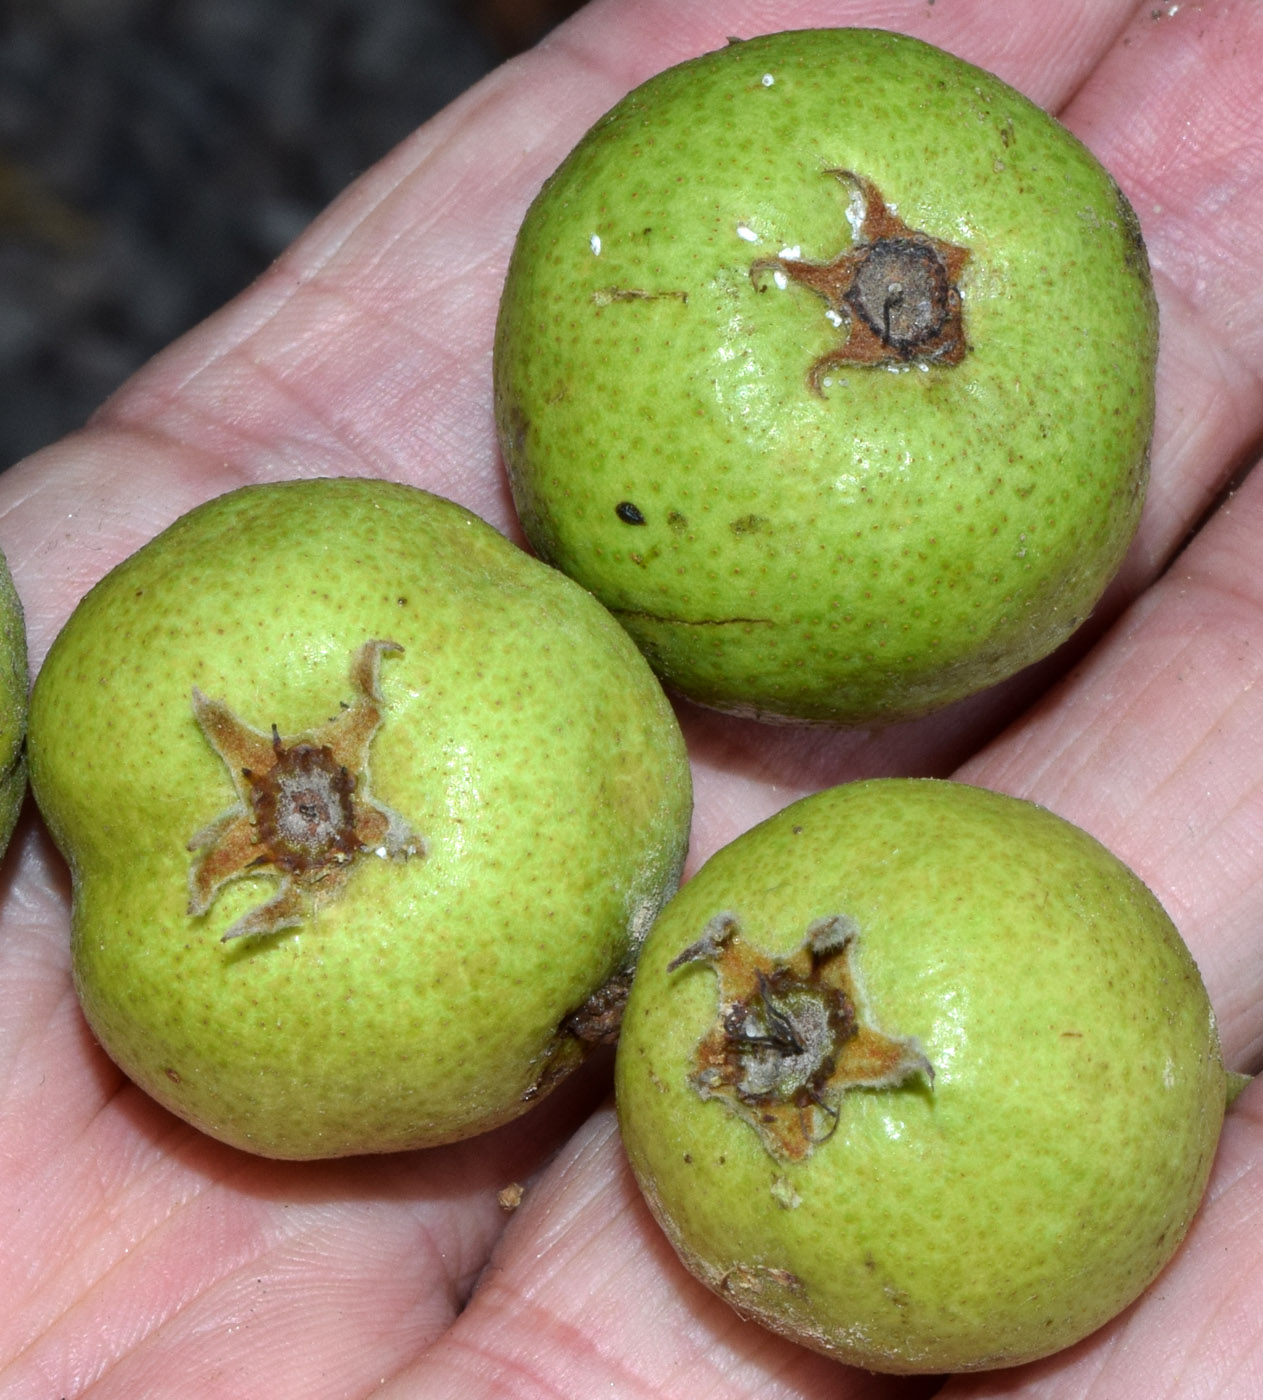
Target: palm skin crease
142,1259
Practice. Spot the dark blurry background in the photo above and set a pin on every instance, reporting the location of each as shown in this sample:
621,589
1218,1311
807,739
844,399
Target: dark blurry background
155,155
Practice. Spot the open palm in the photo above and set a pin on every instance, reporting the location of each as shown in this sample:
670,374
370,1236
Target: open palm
141,1259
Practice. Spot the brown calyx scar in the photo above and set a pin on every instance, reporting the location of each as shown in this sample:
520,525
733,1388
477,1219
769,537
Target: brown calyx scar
792,1035
894,290
304,811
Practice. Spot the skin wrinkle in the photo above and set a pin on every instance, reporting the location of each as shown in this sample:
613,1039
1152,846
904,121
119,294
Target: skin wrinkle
80,1320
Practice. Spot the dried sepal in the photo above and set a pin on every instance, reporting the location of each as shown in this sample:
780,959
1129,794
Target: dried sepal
792,1035
894,289
304,809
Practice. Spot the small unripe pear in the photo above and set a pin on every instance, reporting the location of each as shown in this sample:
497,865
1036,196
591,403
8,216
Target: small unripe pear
826,361
921,1076
366,811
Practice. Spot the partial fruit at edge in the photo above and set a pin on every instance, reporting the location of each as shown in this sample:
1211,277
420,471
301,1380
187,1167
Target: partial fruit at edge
14,684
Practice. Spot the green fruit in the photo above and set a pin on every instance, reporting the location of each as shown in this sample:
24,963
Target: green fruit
826,362
13,688
921,1076
366,811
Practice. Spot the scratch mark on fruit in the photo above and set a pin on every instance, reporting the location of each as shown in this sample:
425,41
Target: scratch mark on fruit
639,615
744,1279
608,296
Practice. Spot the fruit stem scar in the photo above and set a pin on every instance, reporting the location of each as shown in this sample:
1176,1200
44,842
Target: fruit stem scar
304,810
895,290
792,1035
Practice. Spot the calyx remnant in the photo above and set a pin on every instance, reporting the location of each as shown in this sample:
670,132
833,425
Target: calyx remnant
304,811
792,1035
895,287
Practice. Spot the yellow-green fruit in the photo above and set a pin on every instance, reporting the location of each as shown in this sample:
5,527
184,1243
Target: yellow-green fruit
13,689
366,812
921,1076
826,362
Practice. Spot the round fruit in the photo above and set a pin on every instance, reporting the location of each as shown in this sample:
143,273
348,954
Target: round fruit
13,688
921,1076
366,810
826,362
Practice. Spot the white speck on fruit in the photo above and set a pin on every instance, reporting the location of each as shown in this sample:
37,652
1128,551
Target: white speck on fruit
795,252
833,318
595,244
768,80
746,232
784,1194
780,279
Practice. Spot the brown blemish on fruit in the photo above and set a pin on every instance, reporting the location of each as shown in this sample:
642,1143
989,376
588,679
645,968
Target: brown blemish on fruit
895,288
597,1021
792,1035
519,427
742,1280
1135,254
303,811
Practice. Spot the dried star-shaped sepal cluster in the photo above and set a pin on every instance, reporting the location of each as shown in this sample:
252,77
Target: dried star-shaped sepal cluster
303,809
895,288
792,1035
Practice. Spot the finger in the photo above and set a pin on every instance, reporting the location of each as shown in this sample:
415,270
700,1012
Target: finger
1173,110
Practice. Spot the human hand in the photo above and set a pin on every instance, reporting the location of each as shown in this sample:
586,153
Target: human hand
141,1259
